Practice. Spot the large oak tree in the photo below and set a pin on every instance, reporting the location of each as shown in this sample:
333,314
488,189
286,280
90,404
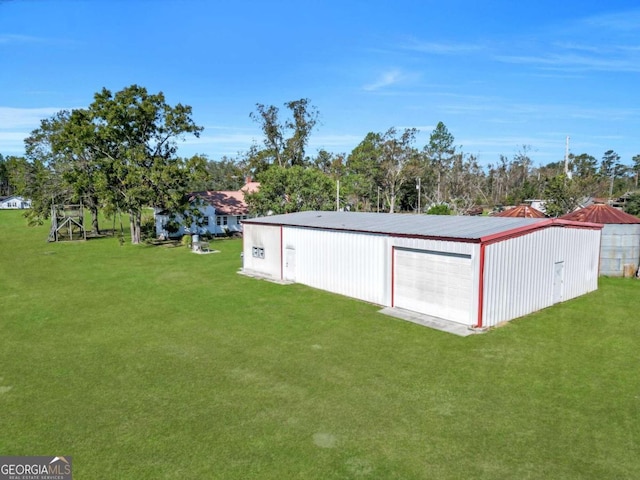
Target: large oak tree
136,137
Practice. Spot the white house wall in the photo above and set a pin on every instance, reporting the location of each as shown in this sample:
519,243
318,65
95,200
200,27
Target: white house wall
15,203
519,272
266,237
209,212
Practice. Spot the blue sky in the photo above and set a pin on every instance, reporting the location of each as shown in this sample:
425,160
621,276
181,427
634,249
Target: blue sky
499,74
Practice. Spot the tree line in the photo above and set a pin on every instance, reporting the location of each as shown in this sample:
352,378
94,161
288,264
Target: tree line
120,155
387,171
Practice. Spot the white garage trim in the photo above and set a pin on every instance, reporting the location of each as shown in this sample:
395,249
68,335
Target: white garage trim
433,282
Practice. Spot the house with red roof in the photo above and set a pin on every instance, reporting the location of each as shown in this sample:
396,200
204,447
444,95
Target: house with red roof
221,213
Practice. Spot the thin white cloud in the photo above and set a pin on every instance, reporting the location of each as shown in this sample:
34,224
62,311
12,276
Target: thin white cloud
568,49
609,137
234,143
326,141
12,118
489,149
604,43
628,21
387,79
571,45
13,39
512,141
240,139
16,125
12,143
8,38
574,62
496,109
12,137
439,48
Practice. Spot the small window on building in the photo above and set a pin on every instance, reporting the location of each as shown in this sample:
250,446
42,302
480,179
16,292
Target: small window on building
218,221
224,220
238,219
205,221
258,252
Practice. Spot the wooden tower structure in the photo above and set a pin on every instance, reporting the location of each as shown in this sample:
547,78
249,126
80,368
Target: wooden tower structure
67,223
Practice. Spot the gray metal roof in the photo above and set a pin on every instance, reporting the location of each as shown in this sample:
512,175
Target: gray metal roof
446,226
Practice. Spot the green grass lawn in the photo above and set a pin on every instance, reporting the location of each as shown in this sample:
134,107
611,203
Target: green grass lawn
148,362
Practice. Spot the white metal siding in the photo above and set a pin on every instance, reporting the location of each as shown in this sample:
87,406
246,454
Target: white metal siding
620,247
268,238
519,272
358,264
351,264
434,283
462,248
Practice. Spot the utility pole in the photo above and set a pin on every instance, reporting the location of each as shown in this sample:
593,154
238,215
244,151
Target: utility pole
418,188
378,210
613,174
566,160
337,195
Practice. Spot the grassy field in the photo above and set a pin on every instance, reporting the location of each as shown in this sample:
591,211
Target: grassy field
148,362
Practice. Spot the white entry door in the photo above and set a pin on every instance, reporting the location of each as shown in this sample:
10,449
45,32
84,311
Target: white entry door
433,283
558,282
290,264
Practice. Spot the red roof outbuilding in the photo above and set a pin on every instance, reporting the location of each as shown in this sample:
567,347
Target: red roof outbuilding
601,213
521,211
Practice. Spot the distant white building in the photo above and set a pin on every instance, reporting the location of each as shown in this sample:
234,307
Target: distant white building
14,202
537,204
221,212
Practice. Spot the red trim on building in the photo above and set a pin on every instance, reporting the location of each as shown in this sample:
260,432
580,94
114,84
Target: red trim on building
481,286
551,222
572,223
495,237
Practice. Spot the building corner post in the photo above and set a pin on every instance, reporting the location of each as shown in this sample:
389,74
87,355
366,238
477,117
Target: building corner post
479,325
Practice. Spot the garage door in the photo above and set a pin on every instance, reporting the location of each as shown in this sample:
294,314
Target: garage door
433,283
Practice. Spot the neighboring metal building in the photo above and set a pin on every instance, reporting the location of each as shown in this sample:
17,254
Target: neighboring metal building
620,246
477,271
